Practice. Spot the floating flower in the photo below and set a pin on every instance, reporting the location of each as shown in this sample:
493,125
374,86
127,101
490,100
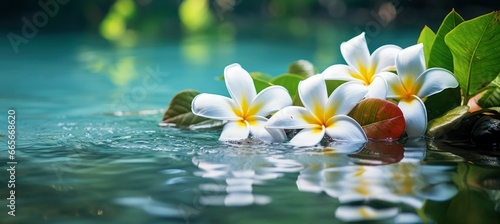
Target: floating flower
246,110
413,83
321,114
362,67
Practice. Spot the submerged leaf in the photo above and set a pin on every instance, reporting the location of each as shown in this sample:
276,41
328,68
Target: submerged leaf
303,68
427,37
178,113
440,55
442,125
380,119
379,152
475,47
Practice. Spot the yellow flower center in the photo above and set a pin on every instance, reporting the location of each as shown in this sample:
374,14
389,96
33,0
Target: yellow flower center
365,74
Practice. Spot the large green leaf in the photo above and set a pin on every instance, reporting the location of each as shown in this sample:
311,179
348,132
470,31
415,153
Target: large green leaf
439,104
332,85
261,76
440,55
475,45
260,84
491,98
380,119
303,68
442,125
290,82
178,113
427,37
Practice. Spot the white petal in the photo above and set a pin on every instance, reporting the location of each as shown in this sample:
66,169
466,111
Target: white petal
240,85
345,128
308,137
234,130
292,117
313,94
344,98
433,81
378,88
214,107
410,63
395,88
355,52
258,131
269,100
415,116
340,72
384,58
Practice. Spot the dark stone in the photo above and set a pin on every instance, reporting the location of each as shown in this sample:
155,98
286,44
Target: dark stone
486,132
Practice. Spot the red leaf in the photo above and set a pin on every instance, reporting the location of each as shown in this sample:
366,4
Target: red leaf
380,119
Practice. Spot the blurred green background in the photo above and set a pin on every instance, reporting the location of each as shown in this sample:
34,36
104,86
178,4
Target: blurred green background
127,22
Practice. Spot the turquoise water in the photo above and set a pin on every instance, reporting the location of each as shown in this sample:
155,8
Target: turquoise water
89,148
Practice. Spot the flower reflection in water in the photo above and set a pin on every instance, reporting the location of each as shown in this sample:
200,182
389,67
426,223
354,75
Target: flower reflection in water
393,192
374,181
237,170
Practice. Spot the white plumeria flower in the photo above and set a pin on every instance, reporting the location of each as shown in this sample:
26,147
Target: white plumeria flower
413,83
321,114
362,67
246,110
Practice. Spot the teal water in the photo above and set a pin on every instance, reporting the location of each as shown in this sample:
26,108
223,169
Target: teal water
89,148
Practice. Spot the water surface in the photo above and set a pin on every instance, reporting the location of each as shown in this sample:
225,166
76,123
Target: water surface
89,148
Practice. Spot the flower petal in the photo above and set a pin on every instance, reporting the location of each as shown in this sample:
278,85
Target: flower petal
344,98
341,72
378,88
344,128
240,85
410,63
258,130
292,117
355,52
269,100
433,81
308,137
415,116
383,59
395,88
214,107
234,130
313,94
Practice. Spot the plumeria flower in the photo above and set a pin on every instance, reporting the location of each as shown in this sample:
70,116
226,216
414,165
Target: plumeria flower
246,110
362,67
321,114
413,83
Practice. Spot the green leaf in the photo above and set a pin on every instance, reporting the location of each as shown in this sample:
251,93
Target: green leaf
303,68
475,46
442,125
491,98
440,55
380,119
178,113
261,76
290,82
332,85
260,84
427,37
440,103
